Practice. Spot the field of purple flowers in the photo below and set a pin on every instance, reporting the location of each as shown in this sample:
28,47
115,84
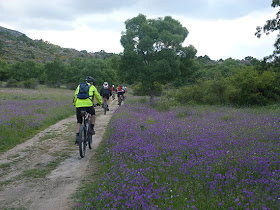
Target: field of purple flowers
188,158
24,112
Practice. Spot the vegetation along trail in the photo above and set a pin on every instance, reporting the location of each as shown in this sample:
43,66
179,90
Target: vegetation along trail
44,172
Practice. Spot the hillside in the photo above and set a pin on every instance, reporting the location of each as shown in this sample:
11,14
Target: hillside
16,46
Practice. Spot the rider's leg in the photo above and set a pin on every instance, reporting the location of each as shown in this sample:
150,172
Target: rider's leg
102,101
92,120
118,97
78,126
108,103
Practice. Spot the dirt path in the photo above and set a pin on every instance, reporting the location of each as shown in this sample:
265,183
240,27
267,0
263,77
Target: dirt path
45,171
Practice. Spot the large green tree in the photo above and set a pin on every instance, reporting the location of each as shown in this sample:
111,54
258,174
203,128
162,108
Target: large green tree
152,50
271,26
55,72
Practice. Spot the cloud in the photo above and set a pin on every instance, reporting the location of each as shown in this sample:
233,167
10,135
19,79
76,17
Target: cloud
205,9
229,38
97,6
83,38
218,28
21,12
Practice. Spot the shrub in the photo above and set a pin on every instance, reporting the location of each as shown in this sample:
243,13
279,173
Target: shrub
140,89
12,83
31,83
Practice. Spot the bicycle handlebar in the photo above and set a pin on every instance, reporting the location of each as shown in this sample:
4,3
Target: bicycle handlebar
95,105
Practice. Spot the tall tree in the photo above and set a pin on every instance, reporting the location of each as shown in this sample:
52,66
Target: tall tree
151,50
55,71
188,66
271,26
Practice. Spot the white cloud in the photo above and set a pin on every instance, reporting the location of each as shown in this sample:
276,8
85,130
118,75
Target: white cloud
83,38
229,38
219,29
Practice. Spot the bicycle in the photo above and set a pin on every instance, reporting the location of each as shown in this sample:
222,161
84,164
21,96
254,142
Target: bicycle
85,138
113,95
120,100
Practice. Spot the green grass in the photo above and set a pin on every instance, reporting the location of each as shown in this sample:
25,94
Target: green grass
41,170
25,112
47,136
5,165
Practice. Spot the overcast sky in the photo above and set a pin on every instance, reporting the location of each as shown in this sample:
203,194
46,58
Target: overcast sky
217,28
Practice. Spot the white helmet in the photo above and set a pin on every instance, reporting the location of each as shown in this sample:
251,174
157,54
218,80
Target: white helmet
105,85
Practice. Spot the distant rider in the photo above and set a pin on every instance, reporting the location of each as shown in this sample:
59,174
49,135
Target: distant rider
120,91
113,89
105,92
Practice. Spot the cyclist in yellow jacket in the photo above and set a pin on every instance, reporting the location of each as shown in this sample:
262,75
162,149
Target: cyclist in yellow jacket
84,100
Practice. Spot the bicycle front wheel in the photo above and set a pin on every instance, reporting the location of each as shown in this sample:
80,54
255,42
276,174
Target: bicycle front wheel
89,140
82,139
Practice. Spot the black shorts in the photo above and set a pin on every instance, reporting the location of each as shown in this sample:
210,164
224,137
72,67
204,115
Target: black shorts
120,94
106,95
90,110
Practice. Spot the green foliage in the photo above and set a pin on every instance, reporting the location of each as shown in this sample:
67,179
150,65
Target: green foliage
151,48
55,71
271,26
139,89
22,71
3,70
256,88
12,83
188,66
164,104
31,83
32,111
246,87
204,92
1,46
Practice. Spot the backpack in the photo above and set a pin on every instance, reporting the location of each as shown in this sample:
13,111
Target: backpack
83,90
120,89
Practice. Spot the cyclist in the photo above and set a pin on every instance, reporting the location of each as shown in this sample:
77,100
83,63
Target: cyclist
86,103
105,92
124,91
113,89
120,91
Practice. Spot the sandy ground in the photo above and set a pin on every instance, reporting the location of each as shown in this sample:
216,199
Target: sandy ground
22,185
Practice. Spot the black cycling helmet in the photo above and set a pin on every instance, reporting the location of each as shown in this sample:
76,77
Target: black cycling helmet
90,79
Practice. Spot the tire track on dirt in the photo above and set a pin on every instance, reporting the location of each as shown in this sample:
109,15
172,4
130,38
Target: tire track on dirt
45,171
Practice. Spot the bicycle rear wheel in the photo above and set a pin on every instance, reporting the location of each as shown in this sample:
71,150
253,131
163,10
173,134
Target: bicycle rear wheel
105,106
82,139
120,100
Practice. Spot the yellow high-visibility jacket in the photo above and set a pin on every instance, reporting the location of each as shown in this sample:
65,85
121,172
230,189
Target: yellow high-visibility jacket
89,101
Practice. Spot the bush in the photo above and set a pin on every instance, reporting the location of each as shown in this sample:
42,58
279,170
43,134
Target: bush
31,83
12,83
72,86
140,89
